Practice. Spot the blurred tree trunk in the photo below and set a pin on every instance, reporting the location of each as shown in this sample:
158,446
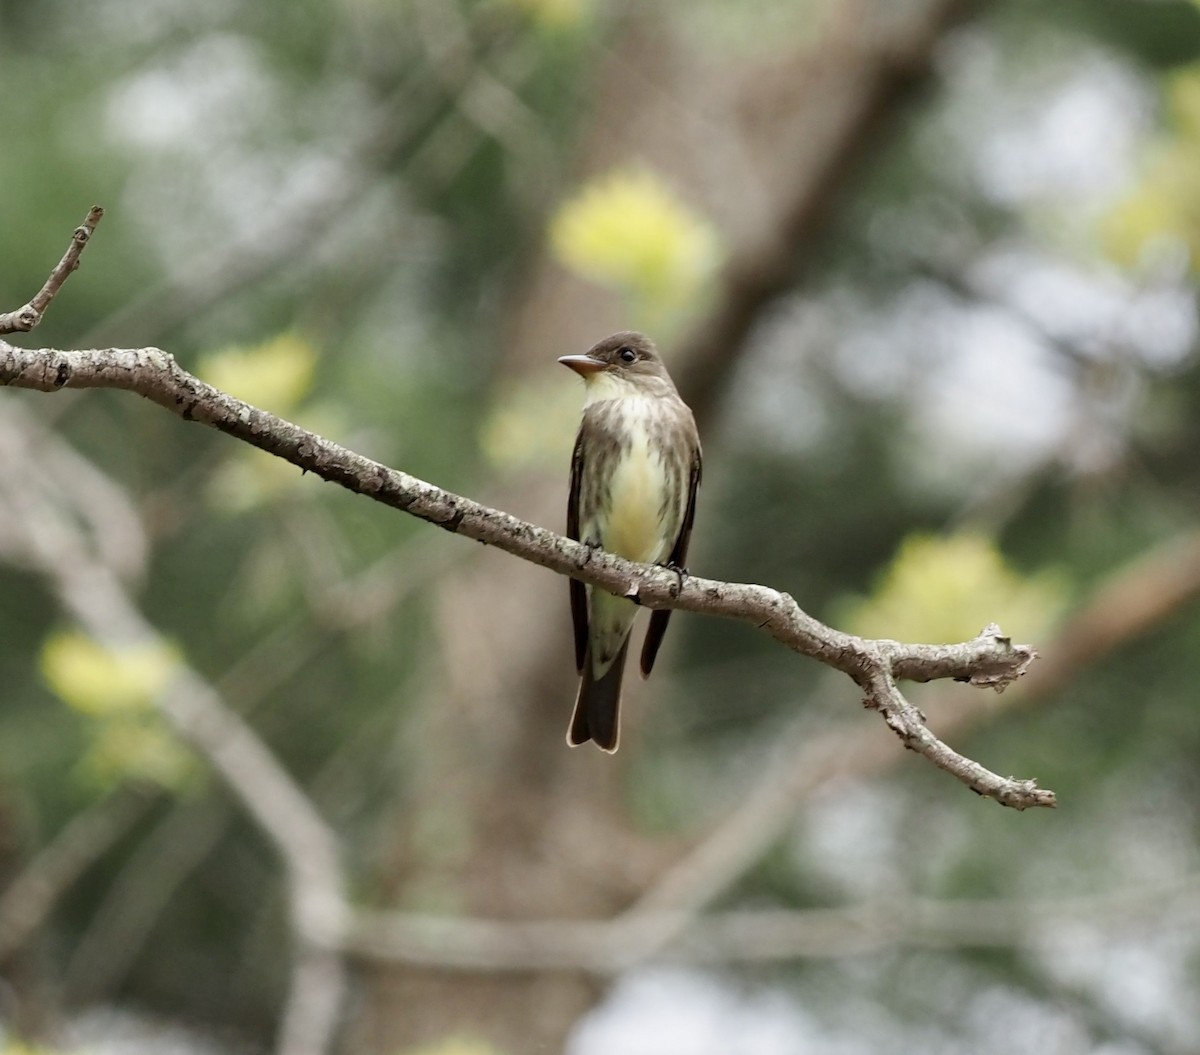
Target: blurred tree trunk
508,822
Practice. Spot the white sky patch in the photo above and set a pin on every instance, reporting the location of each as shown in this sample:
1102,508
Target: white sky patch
850,836
995,395
1146,980
1163,323
1079,138
1100,311
886,353
212,93
677,1012
767,398
222,158
1001,1020
109,1031
1062,122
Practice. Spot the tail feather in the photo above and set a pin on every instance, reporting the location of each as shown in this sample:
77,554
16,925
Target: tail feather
597,714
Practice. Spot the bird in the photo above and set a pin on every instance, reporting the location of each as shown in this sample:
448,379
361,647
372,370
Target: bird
635,471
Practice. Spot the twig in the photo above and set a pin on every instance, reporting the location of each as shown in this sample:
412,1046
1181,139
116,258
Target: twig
989,659
29,315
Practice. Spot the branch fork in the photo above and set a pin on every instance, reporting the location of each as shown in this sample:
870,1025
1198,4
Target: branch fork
26,317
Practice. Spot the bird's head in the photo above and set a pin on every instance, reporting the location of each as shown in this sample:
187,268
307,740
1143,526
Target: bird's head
625,358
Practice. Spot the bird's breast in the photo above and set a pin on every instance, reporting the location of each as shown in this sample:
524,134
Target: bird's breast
639,481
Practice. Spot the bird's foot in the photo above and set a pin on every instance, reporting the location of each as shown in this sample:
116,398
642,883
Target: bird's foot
681,573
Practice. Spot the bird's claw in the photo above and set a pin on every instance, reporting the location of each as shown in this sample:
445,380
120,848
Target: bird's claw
681,573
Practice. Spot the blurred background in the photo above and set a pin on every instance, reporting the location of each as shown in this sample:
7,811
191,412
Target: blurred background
925,271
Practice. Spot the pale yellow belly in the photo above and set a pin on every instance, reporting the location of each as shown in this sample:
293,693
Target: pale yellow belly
634,527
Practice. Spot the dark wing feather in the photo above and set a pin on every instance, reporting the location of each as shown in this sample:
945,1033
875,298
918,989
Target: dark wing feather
579,613
661,616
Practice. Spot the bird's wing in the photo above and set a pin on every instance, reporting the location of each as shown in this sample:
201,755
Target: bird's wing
579,614
661,616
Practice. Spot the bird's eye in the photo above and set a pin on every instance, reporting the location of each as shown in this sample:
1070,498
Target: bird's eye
628,355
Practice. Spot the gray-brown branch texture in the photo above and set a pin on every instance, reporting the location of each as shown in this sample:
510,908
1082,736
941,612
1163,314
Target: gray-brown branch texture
876,666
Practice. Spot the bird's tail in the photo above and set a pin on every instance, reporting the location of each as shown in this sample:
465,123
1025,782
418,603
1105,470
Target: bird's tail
598,706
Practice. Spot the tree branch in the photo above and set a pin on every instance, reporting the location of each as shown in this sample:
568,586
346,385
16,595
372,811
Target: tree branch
762,935
990,659
29,315
875,666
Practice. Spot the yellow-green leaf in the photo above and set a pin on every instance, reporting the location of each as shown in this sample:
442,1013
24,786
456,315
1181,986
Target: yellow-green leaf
553,14
947,588
97,680
132,749
629,231
275,375
532,425
1164,206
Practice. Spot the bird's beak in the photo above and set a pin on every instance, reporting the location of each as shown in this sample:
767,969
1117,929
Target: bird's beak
583,365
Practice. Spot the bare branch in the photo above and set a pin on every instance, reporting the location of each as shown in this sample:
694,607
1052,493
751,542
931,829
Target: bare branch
740,936
916,922
874,665
28,316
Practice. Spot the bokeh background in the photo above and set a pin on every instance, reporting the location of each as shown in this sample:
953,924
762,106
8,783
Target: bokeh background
926,272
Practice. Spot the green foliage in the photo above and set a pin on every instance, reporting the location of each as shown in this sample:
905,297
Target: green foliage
946,588
554,16
1166,204
275,375
117,690
1166,35
530,425
100,682
627,230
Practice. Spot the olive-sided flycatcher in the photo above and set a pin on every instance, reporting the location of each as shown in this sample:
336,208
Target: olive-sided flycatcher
634,475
